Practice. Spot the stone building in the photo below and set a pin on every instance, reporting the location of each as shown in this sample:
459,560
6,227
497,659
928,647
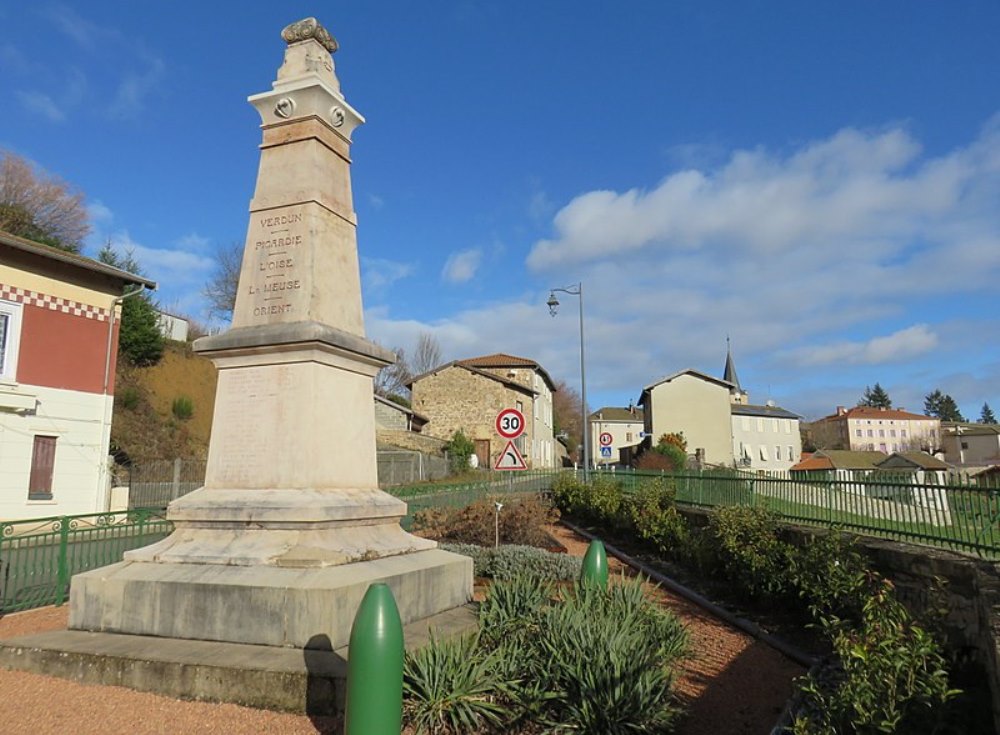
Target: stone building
468,394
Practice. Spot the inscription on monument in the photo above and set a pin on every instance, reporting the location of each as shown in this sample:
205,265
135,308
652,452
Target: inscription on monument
272,280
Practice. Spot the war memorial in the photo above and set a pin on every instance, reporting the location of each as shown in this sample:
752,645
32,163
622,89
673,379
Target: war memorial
278,548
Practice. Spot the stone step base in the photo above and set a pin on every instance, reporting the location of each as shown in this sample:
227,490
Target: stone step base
305,681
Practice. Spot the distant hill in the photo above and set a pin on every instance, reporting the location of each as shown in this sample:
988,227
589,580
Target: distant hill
146,425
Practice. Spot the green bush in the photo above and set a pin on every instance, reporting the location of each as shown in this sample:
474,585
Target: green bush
750,551
651,512
892,677
459,449
451,686
130,397
570,493
182,408
510,560
828,573
674,454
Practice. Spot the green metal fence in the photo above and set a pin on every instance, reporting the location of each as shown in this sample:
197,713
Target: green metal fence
458,495
954,513
39,556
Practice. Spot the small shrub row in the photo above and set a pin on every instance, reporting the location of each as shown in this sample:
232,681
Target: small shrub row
603,666
503,562
891,674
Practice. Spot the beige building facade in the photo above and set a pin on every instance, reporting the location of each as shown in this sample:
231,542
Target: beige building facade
468,394
623,426
695,404
888,430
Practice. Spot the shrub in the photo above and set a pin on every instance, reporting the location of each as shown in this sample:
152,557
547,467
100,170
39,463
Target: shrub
130,397
676,456
451,686
512,607
569,493
182,408
829,575
606,657
459,449
750,551
891,673
508,561
651,512
522,521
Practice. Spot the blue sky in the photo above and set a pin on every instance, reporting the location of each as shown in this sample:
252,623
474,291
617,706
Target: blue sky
820,181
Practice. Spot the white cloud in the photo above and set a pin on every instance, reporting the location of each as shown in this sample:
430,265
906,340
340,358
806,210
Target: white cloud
99,213
375,201
66,20
169,267
134,87
41,104
380,273
193,241
461,266
897,347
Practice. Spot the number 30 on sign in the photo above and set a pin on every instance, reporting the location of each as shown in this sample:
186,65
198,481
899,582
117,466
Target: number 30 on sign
510,423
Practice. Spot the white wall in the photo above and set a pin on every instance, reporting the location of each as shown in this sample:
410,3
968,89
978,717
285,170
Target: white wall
771,443
78,421
623,434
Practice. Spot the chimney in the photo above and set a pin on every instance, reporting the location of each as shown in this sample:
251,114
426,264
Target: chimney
841,410
631,407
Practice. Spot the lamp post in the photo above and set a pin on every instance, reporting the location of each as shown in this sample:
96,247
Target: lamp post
553,304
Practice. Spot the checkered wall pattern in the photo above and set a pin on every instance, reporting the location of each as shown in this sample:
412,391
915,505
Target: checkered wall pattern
53,303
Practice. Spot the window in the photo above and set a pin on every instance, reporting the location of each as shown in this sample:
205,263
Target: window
43,461
882,447
777,452
871,432
763,452
857,432
881,433
892,432
902,433
628,436
791,455
871,447
10,330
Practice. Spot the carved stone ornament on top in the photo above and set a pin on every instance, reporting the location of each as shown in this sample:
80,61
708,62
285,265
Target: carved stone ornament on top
306,29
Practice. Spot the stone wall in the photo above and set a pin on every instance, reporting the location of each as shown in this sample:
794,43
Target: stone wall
409,440
456,398
387,417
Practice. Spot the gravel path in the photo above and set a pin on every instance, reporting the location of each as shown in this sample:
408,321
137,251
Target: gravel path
733,685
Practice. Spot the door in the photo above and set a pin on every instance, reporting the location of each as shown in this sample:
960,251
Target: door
483,453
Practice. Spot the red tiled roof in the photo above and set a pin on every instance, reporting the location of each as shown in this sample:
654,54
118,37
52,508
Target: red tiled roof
867,412
503,360
813,464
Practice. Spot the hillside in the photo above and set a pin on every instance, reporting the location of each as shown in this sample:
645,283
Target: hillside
146,425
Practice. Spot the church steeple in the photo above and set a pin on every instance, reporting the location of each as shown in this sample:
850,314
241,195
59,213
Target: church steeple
737,394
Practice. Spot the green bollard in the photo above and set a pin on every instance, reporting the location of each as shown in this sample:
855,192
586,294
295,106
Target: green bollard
375,666
595,565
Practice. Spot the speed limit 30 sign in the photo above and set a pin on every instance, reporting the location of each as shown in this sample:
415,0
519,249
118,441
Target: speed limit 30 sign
510,423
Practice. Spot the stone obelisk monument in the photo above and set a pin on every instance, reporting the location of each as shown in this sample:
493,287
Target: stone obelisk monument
290,528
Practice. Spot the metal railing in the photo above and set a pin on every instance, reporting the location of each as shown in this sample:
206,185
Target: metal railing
39,556
954,512
460,494
155,483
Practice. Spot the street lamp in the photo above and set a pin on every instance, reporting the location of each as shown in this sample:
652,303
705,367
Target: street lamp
553,304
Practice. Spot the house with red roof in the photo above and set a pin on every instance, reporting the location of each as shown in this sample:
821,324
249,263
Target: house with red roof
886,430
468,394
59,315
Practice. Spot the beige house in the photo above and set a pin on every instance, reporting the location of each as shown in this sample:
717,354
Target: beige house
975,445
624,428
765,437
697,405
886,430
468,394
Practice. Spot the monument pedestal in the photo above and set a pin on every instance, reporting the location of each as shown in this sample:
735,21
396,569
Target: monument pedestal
281,544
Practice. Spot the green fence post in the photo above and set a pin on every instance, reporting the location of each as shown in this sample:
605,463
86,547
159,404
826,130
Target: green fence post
375,666
595,565
62,589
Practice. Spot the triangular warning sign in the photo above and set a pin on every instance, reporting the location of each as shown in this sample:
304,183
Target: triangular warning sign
510,459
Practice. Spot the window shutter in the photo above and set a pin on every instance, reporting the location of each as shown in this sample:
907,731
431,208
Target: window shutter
43,461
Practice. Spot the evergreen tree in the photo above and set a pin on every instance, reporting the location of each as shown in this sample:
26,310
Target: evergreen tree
140,340
941,405
986,416
875,397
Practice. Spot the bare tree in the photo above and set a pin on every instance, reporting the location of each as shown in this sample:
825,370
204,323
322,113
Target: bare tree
567,410
390,381
427,354
221,288
40,207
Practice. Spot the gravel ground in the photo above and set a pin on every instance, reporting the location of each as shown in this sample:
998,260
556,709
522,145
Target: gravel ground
732,685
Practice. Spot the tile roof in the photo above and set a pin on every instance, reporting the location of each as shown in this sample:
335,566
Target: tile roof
923,460
970,429
503,360
867,412
840,459
614,413
64,256
483,373
772,411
